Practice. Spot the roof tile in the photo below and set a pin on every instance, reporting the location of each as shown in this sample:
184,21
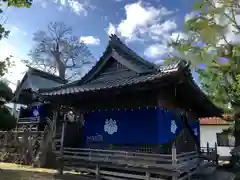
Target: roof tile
111,83
215,120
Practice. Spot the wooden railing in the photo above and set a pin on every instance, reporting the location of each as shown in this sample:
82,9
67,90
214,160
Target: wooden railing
209,149
125,164
210,153
117,156
33,119
27,124
186,157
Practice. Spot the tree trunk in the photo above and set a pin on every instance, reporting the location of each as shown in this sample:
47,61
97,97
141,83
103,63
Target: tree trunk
61,67
61,70
237,129
236,111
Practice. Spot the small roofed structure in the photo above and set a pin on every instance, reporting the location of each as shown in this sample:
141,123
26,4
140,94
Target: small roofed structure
33,80
26,94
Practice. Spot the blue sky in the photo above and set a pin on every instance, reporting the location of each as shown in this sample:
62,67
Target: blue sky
146,26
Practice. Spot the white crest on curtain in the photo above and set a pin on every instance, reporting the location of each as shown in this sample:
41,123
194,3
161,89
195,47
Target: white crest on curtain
35,113
173,126
110,126
195,131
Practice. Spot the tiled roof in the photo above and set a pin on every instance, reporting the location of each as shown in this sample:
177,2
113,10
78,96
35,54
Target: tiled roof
47,75
215,120
119,82
133,70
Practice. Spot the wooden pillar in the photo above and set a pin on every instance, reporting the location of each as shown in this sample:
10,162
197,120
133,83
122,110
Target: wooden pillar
216,149
174,158
97,172
216,153
14,109
208,151
174,154
62,148
55,116
148,176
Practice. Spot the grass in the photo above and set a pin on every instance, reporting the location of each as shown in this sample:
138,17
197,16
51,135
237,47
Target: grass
17,172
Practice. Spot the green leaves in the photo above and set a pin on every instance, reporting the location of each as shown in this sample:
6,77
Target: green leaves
199,5
236,51
5,91
19,3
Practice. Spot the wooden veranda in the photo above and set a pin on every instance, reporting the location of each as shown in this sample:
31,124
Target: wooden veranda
113,164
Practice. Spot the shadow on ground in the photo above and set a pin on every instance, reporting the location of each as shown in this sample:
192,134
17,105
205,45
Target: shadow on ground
26,175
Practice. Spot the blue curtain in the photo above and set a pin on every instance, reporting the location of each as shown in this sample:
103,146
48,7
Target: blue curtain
195,127
136,126
170,125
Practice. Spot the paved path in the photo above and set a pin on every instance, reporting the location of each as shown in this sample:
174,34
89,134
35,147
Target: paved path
221,175
211,173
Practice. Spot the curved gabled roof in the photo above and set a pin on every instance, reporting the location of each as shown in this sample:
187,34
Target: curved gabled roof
166,70
132,69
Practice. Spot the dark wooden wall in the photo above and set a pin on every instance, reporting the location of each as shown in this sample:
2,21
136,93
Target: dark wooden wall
121,100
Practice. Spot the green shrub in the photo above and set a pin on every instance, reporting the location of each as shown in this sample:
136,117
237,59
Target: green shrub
7,121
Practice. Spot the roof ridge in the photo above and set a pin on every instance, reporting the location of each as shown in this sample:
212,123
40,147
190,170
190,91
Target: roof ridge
173,65
115,41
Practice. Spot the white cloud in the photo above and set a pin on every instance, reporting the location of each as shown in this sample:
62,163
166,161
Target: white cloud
162,31
146,23
15,31
79,7
140,18
111,29
156,50
16,72
44,4
136,16
90,40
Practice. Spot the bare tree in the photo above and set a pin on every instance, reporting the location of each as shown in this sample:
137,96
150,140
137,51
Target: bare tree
57,50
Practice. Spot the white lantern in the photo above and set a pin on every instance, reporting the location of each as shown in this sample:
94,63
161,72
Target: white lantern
71,116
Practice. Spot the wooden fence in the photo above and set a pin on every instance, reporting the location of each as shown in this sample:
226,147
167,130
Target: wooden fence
109,164
19,147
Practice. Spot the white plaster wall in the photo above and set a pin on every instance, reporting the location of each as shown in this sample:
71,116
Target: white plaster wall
208,134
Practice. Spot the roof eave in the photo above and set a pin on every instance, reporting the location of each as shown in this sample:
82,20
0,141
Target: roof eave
47,75
213,109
